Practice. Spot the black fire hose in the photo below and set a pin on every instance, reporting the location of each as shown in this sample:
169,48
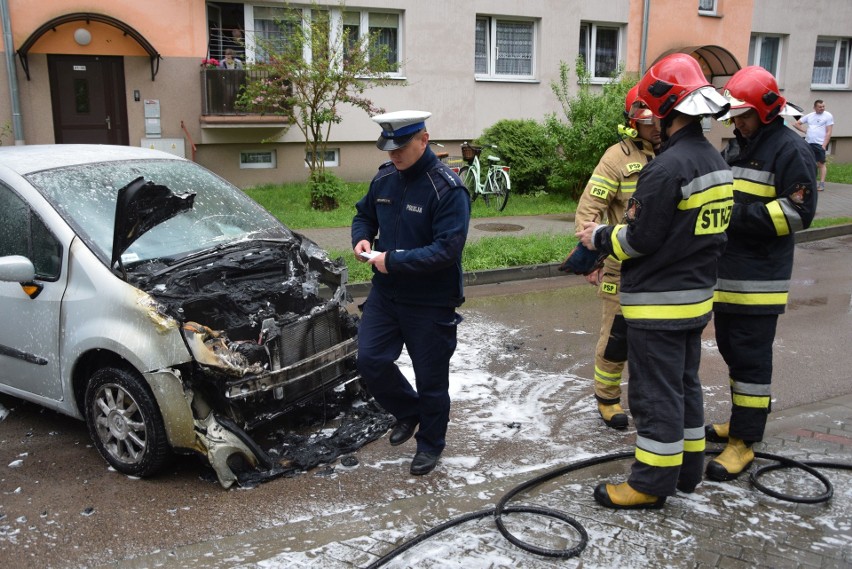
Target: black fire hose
502,508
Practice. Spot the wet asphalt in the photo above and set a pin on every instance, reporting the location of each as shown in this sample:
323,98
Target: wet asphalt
522,408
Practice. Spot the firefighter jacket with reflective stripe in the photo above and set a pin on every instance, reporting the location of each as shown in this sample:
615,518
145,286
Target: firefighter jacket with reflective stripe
774,183
604,200
674,235
420,216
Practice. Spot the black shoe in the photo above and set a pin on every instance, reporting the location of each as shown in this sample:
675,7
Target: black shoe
402,431
424,463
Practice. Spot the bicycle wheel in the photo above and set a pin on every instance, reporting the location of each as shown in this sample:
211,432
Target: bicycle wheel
498,195
466,175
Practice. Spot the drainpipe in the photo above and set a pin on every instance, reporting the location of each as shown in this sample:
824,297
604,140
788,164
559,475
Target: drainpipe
8,44
647,11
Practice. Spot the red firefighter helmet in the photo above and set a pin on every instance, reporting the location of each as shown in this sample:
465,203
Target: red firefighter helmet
669,81
635,111
754,87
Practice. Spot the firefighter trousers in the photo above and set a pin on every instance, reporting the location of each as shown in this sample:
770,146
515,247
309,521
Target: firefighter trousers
429,335
745,342
668,409
611,349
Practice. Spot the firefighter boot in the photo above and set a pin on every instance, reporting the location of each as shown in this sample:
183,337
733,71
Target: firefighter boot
735,459
613,415
624,497
717,432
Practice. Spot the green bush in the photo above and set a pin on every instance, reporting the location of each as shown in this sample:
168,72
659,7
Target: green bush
524,146
590,126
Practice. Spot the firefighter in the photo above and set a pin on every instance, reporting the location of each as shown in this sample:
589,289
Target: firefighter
774,183
673,235
605,199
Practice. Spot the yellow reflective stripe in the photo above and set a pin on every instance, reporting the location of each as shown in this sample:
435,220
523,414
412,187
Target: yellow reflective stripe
617,250
754,188
776,214
652,459
607,378
751,298
611,185
752,401
667,311
694,446
725,192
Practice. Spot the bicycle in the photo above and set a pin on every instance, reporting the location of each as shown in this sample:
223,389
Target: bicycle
495,188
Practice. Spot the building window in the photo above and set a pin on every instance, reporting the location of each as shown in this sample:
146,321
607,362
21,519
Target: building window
258,159
831,63
277,25
505,49
385,27
331,158
600,48
707,7
765,51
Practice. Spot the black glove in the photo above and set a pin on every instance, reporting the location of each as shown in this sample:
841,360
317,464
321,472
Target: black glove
582,261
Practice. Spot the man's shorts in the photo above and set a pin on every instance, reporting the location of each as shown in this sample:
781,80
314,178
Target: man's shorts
819,152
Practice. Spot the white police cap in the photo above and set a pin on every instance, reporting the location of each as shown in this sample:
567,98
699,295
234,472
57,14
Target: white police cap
399,127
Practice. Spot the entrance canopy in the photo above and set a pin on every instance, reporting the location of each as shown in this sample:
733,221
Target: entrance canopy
715,61
87,17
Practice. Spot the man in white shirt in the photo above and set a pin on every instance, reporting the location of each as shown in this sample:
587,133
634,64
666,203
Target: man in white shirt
817,128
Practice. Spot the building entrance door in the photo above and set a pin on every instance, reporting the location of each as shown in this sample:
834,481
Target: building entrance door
88,97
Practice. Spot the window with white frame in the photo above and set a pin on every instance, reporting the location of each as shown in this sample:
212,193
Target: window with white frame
831,63
765,51
385,27
258,159
276,24
707,7
331,158
505,48
600,48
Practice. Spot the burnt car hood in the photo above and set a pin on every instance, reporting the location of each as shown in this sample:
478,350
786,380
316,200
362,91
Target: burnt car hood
140,206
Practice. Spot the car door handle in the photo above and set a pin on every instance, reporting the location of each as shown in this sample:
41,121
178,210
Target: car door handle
109,123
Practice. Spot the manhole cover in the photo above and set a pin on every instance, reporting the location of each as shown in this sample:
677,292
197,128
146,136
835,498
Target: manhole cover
501,227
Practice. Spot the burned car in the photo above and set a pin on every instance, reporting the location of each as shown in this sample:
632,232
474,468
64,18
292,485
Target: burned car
156,301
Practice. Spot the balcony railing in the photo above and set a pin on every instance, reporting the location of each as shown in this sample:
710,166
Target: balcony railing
220,89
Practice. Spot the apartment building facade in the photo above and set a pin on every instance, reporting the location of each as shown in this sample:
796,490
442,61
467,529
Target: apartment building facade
130,73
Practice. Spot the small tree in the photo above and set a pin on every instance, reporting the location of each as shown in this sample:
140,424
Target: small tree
591,125
308,72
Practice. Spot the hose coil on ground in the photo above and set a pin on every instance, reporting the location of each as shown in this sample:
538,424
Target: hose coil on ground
502,506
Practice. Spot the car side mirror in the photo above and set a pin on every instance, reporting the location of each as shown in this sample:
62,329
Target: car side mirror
16,268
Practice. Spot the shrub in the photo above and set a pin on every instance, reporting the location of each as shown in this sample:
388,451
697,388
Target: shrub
590,127
524,146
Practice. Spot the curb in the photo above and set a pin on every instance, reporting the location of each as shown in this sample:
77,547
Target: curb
547,270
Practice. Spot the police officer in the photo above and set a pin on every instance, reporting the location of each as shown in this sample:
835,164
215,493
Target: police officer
605,200
669,246
774,183
411,227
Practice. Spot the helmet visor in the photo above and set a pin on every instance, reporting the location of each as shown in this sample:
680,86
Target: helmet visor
640,113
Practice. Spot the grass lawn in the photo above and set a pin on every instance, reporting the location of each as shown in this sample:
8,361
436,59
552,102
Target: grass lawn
291,204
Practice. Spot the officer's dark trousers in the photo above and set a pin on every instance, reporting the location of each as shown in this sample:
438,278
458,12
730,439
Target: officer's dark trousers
429,335
745,342
667,406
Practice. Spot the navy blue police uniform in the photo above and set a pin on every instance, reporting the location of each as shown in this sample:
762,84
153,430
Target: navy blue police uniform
419,217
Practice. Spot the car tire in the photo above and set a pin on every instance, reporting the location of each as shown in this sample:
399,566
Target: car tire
124,422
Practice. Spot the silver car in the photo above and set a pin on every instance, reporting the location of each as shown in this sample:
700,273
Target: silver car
156,301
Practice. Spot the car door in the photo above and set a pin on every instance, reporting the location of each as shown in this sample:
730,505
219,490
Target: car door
29,334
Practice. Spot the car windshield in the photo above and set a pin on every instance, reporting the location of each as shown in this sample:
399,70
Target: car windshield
85,195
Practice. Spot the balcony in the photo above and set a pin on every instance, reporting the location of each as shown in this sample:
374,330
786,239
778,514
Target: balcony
220,89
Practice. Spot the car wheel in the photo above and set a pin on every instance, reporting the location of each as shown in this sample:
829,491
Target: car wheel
125,423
